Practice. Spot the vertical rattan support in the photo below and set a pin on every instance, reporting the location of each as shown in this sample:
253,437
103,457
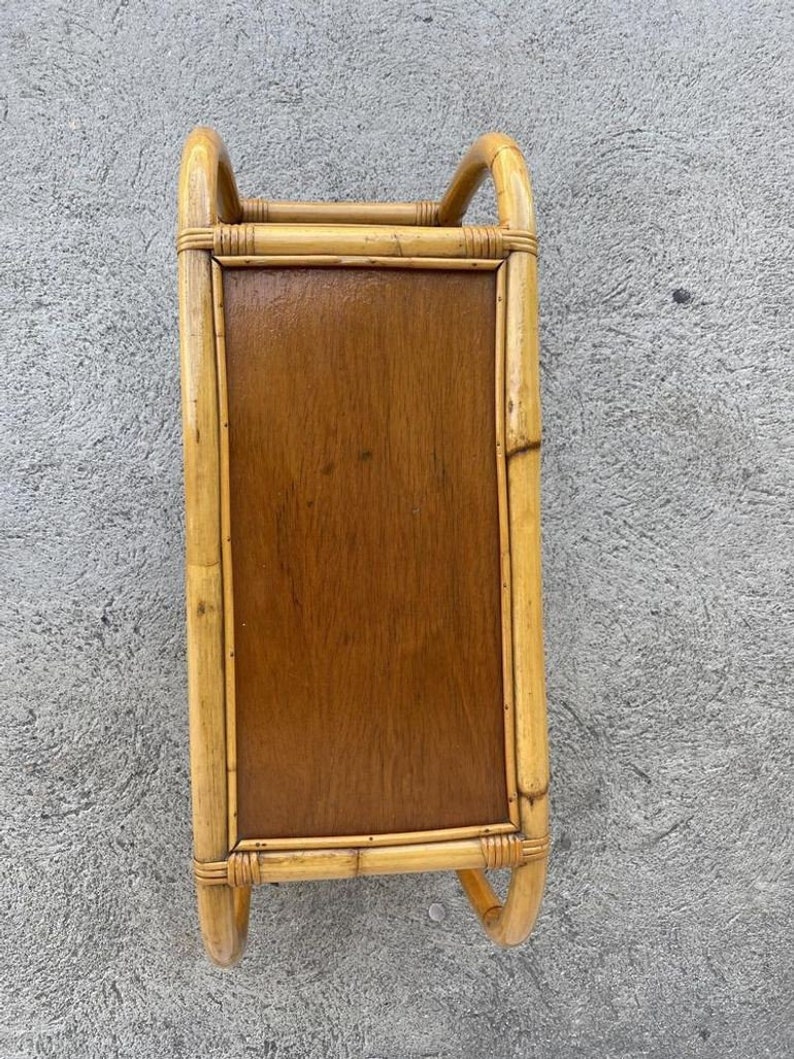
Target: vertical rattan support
510,924
207,194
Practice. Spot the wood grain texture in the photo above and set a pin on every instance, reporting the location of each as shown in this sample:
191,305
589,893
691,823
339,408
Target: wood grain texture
365,551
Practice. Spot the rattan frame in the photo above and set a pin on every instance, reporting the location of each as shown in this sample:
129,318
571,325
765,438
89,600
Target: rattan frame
216,228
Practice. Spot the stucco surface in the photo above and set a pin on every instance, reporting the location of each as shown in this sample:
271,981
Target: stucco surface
661,141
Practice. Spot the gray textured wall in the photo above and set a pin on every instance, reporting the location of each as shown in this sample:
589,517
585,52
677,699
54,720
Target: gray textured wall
661,141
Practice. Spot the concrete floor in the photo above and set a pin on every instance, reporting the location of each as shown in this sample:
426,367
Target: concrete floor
661,141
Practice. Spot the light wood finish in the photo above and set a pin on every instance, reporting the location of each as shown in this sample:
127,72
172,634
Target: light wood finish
406,239
219,325
424,214
251,240
448,264
393,838
249,868
254,868
501,157
207,193
507,924
505,570
207,189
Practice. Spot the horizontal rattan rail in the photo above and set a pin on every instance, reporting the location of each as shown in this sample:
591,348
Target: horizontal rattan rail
468,264
240,240
260,211
245,868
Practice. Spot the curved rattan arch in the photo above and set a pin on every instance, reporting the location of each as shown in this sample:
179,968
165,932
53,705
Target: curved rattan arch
500,156
214,221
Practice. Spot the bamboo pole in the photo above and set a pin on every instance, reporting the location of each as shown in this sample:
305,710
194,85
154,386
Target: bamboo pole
356,261
424,213
523,483
511,923
511,775
252,240
206,191
226,552
500,156
397,838
249,868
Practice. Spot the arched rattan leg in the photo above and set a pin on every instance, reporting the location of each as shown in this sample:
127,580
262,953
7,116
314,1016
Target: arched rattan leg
507,924
500,156
223,915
